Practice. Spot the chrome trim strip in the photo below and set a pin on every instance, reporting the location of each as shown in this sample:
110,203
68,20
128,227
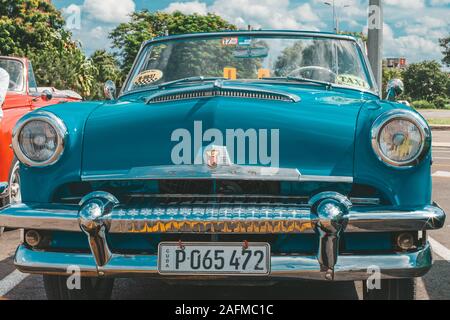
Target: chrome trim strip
222,197
293,219
348,268
219,89
230,172
365,201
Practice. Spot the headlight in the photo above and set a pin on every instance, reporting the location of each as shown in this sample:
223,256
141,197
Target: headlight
401,138
38,139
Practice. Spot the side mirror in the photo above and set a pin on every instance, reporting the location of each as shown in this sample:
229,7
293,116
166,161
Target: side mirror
46,95
109,90
395,88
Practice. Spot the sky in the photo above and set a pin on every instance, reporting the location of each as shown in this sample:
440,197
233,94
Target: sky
411,27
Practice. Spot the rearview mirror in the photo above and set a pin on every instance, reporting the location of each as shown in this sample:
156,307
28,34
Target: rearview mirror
109,90
249,53
395,88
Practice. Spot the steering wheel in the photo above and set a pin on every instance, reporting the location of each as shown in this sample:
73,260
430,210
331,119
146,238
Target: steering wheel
300,70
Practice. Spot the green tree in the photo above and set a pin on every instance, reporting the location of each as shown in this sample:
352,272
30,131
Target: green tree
425,81
445,44
35,29
106,68
144,25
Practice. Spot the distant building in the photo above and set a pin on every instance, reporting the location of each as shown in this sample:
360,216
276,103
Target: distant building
398,63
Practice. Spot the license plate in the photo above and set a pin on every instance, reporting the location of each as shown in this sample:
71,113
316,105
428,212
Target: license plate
213,258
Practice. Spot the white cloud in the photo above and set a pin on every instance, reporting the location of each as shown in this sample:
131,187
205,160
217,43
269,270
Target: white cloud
93,37
413,46
269,14
109,11
188,7
306,13
439,2
433,22
407,4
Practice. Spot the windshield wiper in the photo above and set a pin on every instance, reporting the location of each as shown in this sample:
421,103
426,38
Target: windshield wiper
328,85
190,79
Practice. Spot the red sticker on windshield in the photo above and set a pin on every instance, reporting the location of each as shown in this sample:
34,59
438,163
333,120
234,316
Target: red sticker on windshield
233,41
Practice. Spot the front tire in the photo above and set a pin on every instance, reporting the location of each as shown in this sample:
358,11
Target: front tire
392,289
90,289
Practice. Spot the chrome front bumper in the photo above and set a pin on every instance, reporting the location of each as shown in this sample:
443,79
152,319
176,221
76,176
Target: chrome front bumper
297,220
328,214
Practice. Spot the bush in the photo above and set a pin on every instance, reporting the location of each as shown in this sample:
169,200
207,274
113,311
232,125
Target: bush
442,103
423,104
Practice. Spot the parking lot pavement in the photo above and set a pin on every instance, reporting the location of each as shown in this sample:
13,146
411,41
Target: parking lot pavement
435,285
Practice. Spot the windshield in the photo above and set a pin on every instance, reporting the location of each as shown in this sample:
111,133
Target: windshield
336,61
15,70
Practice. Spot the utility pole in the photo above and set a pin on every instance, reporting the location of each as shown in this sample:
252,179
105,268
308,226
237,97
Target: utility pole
375,40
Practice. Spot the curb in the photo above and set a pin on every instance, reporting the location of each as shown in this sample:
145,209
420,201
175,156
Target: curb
440,127
441,145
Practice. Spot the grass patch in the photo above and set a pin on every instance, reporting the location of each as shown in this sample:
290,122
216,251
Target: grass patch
445,121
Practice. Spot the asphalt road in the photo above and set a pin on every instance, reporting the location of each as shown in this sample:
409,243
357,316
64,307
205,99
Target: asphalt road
435,285
435,114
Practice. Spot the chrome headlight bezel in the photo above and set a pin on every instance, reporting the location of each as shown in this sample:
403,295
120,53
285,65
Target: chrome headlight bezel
56,123
412,117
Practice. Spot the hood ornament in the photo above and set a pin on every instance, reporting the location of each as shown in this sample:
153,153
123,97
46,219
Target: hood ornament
212,158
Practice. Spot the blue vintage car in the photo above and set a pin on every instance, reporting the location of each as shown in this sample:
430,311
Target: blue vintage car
249,155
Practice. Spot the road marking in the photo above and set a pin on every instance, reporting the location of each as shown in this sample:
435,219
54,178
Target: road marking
11,281
439,249
442,174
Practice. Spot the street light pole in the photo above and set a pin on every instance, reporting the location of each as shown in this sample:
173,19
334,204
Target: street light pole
335,14
332,5
338,27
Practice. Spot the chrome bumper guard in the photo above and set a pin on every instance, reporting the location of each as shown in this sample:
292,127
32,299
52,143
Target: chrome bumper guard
328,214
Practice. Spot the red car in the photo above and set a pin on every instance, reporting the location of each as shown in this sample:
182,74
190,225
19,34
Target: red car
22,97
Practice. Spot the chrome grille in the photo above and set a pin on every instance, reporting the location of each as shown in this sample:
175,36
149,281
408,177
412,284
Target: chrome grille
220,93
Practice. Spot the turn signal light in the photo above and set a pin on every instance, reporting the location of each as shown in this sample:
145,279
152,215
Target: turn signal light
405,241
33,238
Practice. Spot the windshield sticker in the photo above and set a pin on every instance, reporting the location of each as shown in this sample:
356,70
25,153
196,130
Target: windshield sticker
263,73
245,41
147,77
351,80
230,73
233,41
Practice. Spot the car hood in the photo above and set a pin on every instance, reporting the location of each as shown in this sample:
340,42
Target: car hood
316,134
